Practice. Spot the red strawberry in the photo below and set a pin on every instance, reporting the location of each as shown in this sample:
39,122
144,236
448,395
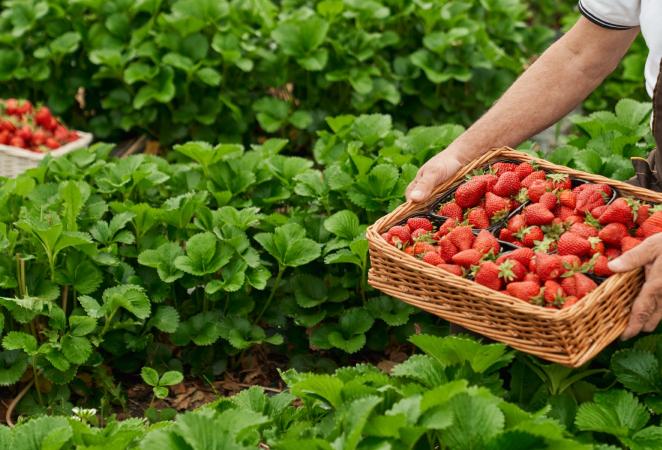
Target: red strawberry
601,268
598,210
462,237
490,180
559,181
421,248
524,290
571,218
523,170
652,225
447,249
506,235
590,196
553,292
573,244
613,233
486,242
399,235
619,211
467,258
569,301
611,253
452,210
516,223
549,200
583,285
571,262
445,228
488,275
523,255
647,229
643,213
532,277
433,258
478,218
629,242
568,199
419,223
469,193
537,214
548,267
597,246
512,270
584,230
530,235
501,167
452,268
533,176
496,206
536,190
420,235
508,184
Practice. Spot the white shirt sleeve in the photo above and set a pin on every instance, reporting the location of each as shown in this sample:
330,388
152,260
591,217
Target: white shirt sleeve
613,14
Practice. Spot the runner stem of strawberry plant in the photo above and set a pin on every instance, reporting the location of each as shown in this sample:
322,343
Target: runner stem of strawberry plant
65,295
281,270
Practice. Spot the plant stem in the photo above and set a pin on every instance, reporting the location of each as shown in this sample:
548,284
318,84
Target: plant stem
65,296
281,270
36,381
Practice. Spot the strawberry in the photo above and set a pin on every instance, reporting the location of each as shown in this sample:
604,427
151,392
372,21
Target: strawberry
583,285
531,277
452,268
523,290
447,249
613,233
573,244
598,211
597,246
496,207
569,301
433,258
643,213
601,268
516,223
486,242
523,170
619,211
570,219
419,223
537,214
571,262
628,243
533,176
583,229
523,255
590,196
512,270
507,185
399,235
478,218
462,237
501,167
647,229
420,235
611,253
445,228
549,200
469,193
553,292
530,235
488,275
548,267
506,235
568,199
467,258
490,180
452,210
559,181
652,225
536,190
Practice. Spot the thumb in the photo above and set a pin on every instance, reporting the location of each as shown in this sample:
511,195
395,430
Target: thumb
639,256
424,186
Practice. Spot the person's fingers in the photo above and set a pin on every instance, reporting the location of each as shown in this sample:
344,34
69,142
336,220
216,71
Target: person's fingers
655,318
425,185
647,308
414,183
639,256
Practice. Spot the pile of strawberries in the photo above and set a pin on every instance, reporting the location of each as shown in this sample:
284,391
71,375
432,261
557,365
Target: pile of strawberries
37,130
554,239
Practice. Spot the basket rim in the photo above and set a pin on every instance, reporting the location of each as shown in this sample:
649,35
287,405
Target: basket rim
17,152
373,234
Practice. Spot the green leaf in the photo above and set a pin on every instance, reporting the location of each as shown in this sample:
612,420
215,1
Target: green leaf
476,420
76,349
637,370
171,378
160,89
163,260
344,224
454,350
150,376
422,368
165,318
13,365
130,297
65,43
371,128
649,438
588,161
300,37
209,76
17,340
82,325
614,412
323,387
289,246
205,254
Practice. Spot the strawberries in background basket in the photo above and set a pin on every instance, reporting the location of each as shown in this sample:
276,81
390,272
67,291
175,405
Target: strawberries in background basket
565,236
36,130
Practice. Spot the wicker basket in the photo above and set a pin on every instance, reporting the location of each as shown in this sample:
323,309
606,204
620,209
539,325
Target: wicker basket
14,160
569,336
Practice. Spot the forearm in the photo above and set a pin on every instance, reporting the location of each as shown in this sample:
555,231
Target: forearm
563,76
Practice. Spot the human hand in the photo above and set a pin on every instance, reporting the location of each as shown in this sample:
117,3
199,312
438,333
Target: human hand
438,169
647,308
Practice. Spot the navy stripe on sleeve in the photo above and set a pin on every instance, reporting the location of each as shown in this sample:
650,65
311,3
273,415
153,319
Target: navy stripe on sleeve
598,21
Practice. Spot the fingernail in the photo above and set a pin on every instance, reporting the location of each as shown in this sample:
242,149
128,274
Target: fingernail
416,195
615,265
